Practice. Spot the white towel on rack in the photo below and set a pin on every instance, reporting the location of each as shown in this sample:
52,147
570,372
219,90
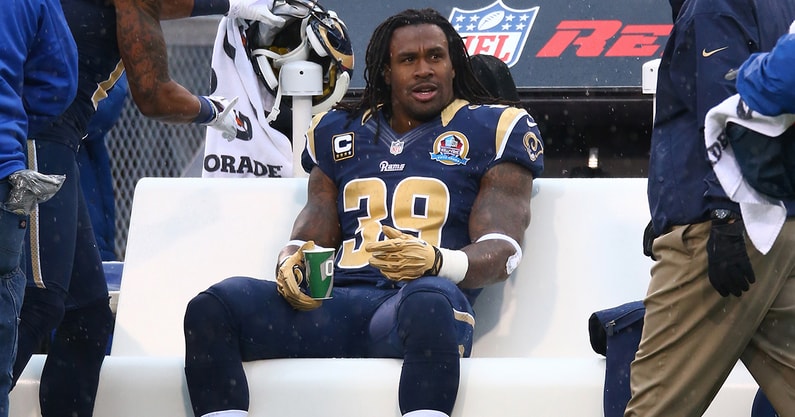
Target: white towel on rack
260,150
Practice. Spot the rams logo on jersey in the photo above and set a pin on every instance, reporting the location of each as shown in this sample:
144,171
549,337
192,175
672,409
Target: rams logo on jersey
451,148
342,146
533,145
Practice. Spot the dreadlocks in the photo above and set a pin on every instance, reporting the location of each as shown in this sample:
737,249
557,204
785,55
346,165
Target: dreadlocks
377,92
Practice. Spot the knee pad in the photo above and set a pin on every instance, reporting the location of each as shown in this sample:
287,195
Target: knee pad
205,318
429,319
427,315
200,308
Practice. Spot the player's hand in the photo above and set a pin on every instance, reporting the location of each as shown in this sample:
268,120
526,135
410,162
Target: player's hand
289,278
225,117
272,13
403,256
729,268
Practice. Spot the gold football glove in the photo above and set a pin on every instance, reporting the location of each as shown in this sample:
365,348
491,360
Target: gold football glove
403,256
289,278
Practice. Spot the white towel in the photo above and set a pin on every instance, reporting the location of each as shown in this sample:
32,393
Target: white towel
763,216
261,151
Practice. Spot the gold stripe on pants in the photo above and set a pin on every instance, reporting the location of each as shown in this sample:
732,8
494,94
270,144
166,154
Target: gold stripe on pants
33,225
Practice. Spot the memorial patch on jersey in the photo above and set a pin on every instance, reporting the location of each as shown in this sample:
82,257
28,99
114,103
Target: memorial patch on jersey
451,148
342,146
533,145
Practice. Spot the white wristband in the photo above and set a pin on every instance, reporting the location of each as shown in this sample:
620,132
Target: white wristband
295,242
455,264
513,261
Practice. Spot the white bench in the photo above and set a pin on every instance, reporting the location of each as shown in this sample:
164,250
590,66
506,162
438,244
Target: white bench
531,355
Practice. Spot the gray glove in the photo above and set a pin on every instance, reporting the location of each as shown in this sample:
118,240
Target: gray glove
29,188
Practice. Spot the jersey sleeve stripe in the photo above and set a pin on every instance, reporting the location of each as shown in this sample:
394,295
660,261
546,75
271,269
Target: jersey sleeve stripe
508,120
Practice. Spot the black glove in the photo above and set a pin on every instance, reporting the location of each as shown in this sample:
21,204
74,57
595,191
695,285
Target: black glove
648,239
729,268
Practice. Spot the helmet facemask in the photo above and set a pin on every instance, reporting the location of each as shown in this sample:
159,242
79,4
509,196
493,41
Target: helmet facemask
320,37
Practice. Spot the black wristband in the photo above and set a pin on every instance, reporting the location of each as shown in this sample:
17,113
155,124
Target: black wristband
723,216
207,111
437,263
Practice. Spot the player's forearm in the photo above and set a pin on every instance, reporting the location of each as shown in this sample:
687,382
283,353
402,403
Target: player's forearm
499,218
143,51
170,103
318,220
487,263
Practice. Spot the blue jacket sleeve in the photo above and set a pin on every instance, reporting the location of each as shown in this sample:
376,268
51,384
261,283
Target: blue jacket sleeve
38,73
766,81
51,69
15,30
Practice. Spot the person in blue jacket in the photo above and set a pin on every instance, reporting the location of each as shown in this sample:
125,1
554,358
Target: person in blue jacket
38,80
713,299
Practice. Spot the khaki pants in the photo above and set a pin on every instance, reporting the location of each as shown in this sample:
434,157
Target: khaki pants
693,337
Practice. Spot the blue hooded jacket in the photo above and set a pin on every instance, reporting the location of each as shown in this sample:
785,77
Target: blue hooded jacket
38,74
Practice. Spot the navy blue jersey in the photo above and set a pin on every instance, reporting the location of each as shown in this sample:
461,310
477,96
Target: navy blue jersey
709,39
422,182
93,26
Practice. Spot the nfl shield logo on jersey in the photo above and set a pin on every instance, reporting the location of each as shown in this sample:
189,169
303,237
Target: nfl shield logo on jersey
495,30
396,148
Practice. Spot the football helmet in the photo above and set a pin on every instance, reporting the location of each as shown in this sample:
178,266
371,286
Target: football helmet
318,36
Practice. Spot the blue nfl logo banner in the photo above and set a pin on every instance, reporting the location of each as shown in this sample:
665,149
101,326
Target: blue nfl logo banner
495,30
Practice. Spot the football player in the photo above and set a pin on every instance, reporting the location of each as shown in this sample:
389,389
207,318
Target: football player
423,188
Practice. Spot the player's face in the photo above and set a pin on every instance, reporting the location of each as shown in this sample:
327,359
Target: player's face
420,73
